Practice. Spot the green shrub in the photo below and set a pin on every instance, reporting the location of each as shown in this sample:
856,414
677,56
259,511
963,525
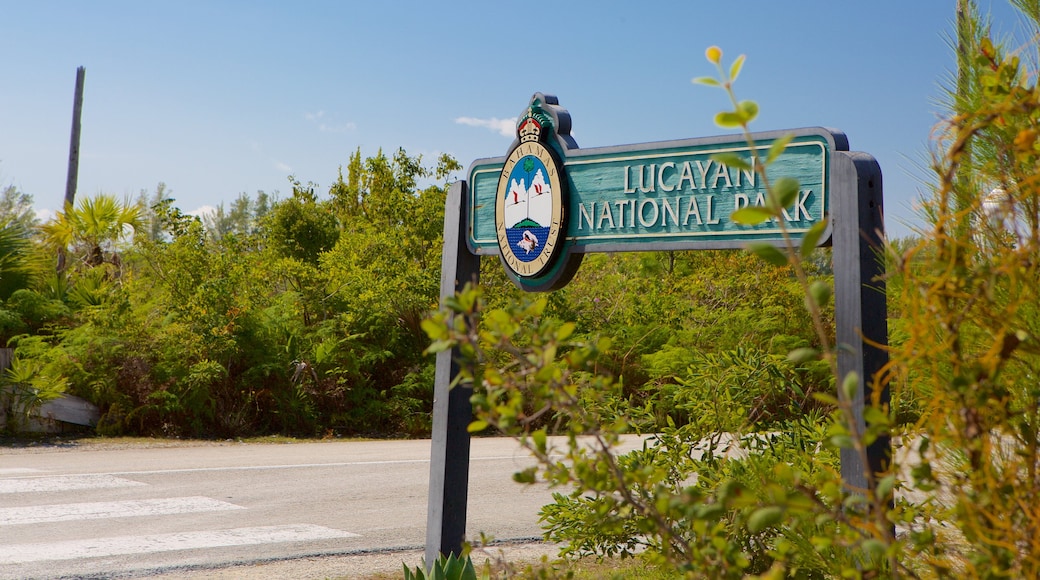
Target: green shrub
450,568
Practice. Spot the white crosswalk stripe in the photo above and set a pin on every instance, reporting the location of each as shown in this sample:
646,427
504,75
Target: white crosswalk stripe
112,509
64,483
128,545
22,481
17,470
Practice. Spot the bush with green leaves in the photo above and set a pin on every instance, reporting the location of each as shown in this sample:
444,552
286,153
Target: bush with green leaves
694,496
768,502
959,499
970,295
24,387
734,387
299,316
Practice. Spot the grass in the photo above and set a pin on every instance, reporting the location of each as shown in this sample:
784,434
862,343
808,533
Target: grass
584,569
628,569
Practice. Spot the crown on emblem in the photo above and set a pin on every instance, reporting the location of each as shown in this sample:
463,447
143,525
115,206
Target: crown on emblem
530,129
533,123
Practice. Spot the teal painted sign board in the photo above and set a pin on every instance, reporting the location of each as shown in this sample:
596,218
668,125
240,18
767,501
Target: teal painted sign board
670,194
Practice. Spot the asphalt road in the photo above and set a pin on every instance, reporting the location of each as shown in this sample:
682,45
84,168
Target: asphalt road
123,512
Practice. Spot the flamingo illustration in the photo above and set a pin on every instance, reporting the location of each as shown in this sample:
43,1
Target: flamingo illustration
516,189
528,242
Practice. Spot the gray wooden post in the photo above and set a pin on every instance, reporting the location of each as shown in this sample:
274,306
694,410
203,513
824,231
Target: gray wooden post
452,412
860,308
77,114
72,177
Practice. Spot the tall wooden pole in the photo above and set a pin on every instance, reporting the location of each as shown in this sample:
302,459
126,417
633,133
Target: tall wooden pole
860,304
452,412
73,174
77,113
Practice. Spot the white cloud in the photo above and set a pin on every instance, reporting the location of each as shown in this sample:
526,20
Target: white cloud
504,127
203,211
340,128
325,125
45,215
283,167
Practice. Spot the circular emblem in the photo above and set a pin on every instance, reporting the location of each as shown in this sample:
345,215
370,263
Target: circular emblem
529,208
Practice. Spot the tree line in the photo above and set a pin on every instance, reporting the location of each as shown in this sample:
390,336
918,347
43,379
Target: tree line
297,315
303,315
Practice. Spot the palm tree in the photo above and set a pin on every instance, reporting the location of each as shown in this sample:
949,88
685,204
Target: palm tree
15,272
91,229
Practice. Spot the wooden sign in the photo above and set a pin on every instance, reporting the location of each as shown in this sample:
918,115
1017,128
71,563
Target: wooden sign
547,199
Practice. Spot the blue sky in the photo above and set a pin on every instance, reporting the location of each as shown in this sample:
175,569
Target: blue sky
220,97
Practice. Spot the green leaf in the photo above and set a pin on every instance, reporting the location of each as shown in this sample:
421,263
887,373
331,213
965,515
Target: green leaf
801,355
748,110
841,441
820,292
728,490
786,191
875,548
854,501
536,307
812,238
440,346
729,119
710,511
826,398
751,215
540,440
565,331
477,426
734,69
732,160
763,518
850,386
454,304
434,329
769,253
453,568
525,476
706,81
777,148
885,486
875,416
